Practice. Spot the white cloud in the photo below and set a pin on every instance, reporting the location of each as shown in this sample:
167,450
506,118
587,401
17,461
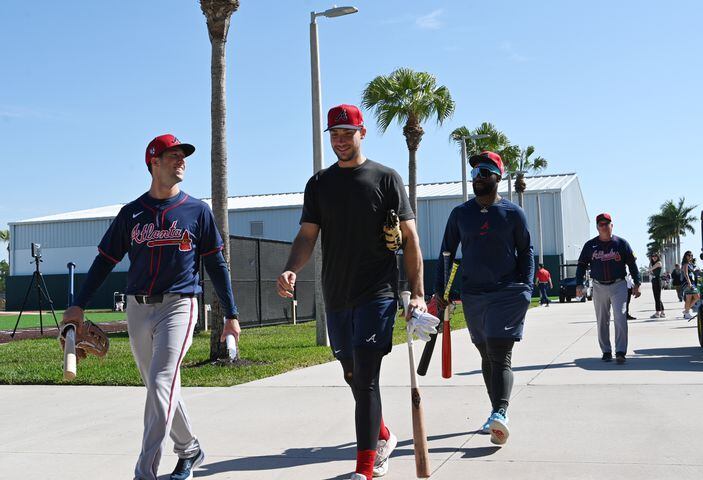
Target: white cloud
507,47
431,21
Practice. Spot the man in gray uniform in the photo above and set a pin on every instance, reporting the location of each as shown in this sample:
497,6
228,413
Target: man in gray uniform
607,256
165,232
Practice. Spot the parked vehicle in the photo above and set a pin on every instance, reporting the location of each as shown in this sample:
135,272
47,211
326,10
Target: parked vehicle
567,285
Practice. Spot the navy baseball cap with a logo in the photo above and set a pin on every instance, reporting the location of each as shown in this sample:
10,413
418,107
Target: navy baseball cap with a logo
162,143
345,116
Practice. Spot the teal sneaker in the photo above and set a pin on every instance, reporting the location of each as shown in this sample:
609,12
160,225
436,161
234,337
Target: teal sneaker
499,429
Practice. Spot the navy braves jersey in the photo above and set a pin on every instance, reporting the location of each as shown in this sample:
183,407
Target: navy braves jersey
607,260
164,240
495,246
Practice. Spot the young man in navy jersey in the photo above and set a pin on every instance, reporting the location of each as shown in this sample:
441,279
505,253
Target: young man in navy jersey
497,270
348,203
607,256
165,232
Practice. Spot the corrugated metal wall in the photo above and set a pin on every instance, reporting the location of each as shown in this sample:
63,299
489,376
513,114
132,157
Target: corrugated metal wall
279,223
576,221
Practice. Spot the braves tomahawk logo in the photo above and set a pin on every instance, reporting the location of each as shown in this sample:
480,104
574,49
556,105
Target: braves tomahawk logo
484,228
157,238
341,116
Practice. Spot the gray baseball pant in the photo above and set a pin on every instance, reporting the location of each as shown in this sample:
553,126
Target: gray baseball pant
160,335
605,296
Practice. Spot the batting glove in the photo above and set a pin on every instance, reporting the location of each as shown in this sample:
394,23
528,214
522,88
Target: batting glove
422,324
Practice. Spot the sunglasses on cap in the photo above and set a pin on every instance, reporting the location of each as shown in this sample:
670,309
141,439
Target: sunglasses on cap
483,171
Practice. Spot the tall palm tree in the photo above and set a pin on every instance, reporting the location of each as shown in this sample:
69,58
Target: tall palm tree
496,141
218,14
409,98
673,221
526,164
5,237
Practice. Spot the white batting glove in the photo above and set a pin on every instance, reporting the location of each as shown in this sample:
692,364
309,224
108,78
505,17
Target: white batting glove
422,324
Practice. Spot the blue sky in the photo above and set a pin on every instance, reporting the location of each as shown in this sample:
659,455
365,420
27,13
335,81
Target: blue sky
609,90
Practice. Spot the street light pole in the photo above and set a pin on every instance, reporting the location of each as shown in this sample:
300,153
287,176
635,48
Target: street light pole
464,187
317,154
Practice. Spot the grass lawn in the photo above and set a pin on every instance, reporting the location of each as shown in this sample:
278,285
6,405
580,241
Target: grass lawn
265,351
7,322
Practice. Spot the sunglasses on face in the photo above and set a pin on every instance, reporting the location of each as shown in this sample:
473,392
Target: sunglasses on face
479,172
604,224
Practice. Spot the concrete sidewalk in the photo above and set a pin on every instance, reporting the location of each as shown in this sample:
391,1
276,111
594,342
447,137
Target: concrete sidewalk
572,416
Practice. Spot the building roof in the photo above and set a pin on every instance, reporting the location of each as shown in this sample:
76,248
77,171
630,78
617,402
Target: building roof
541,183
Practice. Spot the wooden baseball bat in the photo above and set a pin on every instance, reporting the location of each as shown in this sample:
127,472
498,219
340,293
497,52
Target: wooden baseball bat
447,328
422,455
69,354
69,350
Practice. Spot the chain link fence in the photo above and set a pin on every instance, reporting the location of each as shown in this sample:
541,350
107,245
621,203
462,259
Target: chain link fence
255,264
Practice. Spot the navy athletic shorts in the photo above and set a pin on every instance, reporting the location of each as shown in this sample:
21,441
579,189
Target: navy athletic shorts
369,325
499,314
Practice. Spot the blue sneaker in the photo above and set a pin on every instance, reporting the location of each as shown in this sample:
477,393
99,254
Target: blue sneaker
185,466
486,427
499,429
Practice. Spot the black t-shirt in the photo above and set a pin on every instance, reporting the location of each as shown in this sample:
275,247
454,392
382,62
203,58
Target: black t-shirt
350,206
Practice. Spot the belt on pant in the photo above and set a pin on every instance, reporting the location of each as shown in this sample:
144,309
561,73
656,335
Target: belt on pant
150,299
608,282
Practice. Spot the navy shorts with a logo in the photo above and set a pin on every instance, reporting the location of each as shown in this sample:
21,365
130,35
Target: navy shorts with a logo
499,314
369,325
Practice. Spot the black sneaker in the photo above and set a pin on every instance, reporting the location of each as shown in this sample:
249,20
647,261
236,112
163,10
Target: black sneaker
620,357
607,357
185,466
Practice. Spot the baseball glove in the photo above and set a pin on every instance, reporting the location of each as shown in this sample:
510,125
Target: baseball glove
90,339
392,235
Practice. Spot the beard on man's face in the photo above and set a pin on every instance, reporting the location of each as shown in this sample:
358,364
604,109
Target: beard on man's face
347,155
484,186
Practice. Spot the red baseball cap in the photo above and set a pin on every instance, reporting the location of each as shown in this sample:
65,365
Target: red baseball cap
345,116
487,157
162,143
603,217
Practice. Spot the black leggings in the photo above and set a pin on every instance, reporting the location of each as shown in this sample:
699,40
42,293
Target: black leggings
496,355
657,289
362,373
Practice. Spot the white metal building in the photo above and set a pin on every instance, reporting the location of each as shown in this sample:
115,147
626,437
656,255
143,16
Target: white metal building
74,236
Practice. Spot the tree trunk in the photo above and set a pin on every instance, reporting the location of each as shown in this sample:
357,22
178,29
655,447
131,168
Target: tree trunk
219,181
413,135
218,14
520,187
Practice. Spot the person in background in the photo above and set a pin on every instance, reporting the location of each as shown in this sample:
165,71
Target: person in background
544,280
630,284
690,286
677,281
655,269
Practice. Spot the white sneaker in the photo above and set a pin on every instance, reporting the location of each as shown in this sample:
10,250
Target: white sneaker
655,315
384,448
357,476
662,315
687,316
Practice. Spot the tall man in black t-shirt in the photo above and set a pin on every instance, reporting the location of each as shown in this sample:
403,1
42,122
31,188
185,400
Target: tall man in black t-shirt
348,203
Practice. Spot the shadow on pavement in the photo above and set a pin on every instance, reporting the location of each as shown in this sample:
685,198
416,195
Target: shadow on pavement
293,457
674,359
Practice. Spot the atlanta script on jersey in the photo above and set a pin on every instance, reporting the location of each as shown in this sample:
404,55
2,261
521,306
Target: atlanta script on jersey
164,240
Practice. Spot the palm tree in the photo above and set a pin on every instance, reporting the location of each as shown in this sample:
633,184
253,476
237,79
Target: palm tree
526,164
410,98
5,237
218,14
673,221
496,142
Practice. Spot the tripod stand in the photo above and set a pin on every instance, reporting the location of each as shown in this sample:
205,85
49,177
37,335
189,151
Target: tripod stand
38,282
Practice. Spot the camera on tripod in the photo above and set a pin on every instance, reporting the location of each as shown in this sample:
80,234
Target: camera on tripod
36,250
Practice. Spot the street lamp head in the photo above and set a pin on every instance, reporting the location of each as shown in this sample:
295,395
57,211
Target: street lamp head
339,11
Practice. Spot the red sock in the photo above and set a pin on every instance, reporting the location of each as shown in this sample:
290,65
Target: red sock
384,433
364,462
